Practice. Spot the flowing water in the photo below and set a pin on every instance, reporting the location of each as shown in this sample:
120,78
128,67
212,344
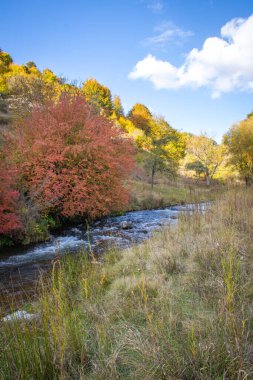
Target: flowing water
21,266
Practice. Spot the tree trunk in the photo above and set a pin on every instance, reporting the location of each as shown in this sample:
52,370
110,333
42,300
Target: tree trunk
208,179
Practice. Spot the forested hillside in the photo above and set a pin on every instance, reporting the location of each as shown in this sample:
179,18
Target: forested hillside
68,152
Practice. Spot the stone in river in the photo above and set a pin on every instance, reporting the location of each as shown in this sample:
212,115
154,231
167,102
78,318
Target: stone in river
126,226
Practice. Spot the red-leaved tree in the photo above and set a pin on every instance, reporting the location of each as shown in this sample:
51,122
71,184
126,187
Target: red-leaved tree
9,220
71,160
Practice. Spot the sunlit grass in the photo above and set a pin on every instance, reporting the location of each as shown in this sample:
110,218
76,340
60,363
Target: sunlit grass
166,193
178,306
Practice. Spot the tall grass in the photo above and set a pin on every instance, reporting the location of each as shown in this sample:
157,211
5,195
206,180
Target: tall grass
178,306
166,193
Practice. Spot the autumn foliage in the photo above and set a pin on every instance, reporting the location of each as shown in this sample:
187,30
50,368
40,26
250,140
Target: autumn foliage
9,220
239,140
71,160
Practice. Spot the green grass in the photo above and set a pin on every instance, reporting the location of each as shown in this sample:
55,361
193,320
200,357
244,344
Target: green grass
178,306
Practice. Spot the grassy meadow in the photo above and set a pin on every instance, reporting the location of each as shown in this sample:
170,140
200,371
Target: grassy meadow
178,306
168,192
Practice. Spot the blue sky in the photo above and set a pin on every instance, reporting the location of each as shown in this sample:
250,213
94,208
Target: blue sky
143,51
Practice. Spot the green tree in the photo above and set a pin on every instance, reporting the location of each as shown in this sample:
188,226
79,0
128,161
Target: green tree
30,64
208,153
164,147
98,95
239,141
197,167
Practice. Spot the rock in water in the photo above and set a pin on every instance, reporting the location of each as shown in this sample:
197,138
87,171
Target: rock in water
126,226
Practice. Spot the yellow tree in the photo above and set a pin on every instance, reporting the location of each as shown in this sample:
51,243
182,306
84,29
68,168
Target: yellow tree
117,107
140,117
98,95
239,141
207,153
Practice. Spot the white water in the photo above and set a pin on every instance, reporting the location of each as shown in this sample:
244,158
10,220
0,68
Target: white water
20,267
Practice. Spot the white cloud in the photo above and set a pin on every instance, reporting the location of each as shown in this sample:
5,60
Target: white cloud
167,32
156,6
223,64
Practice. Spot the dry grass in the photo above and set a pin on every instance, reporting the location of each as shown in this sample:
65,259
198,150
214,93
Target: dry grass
170,192
176,307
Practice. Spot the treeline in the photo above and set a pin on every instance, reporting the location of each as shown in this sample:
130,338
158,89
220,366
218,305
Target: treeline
66,150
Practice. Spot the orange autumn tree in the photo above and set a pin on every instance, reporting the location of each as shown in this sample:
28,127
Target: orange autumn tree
9,220
71,160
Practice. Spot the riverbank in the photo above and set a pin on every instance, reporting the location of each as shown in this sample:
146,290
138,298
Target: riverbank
178,306
166,193
20,267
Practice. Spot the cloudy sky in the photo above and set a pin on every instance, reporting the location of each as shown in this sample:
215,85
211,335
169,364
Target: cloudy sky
188,60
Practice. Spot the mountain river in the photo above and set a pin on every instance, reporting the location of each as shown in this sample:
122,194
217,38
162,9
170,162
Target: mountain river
21,266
